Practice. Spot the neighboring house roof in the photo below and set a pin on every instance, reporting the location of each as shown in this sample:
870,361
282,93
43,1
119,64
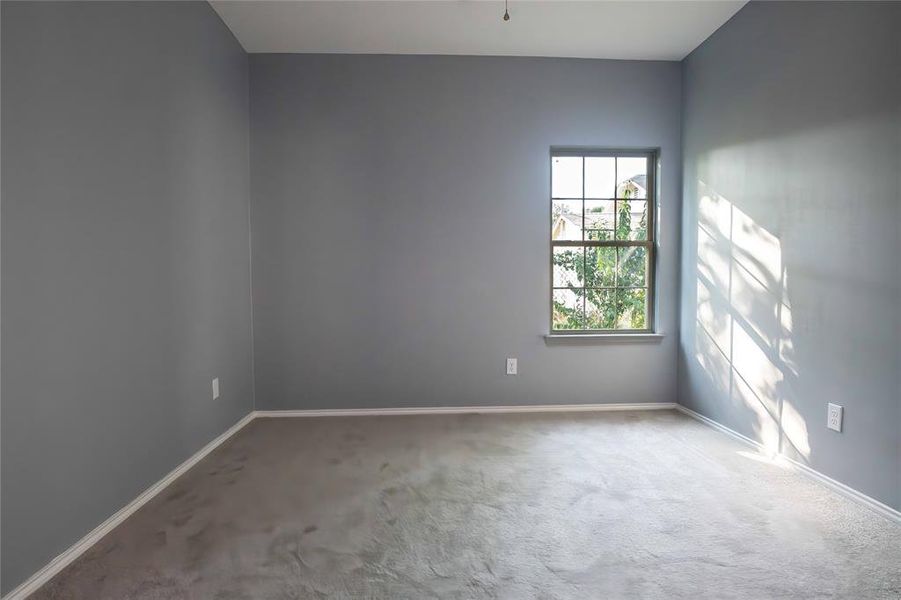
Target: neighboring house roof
641,181
567,227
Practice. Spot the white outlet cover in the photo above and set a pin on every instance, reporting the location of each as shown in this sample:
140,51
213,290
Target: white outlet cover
511,366
834,417
215,388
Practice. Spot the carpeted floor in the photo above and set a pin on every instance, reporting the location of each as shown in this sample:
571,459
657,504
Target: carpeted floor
603,505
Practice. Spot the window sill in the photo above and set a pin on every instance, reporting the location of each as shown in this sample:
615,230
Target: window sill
601,338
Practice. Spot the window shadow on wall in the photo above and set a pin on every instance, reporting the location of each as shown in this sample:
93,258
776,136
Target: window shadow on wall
744,322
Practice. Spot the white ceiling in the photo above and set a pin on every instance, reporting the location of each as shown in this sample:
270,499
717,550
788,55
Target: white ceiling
629,29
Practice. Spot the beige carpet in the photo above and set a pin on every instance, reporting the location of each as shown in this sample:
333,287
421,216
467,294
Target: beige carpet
604,505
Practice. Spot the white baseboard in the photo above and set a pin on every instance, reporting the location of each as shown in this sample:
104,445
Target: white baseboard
461,410
59,563
836,486
721,428
847,491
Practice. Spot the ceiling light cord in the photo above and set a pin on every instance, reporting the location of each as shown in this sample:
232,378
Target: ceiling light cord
506,12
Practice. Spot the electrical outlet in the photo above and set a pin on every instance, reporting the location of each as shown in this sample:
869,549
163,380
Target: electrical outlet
511,366
215,388
834,417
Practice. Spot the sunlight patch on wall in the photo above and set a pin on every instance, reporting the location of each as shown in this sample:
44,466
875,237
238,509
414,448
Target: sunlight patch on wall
794,429
713,316
743,317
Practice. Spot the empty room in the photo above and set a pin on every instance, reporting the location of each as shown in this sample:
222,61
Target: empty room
465,299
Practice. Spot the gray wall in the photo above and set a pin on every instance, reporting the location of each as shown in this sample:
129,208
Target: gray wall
401,227
124,257
790,274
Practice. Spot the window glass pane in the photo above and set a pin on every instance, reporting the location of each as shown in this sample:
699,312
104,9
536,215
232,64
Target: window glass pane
600,309
631,177
600,176
566,177
568,313
631,219
600,199
631,309
566,222
569,266
599,219
632,266
600,266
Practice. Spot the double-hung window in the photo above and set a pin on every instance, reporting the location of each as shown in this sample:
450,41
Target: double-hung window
602,241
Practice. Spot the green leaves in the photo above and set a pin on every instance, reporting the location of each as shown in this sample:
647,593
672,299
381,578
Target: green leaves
600,287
